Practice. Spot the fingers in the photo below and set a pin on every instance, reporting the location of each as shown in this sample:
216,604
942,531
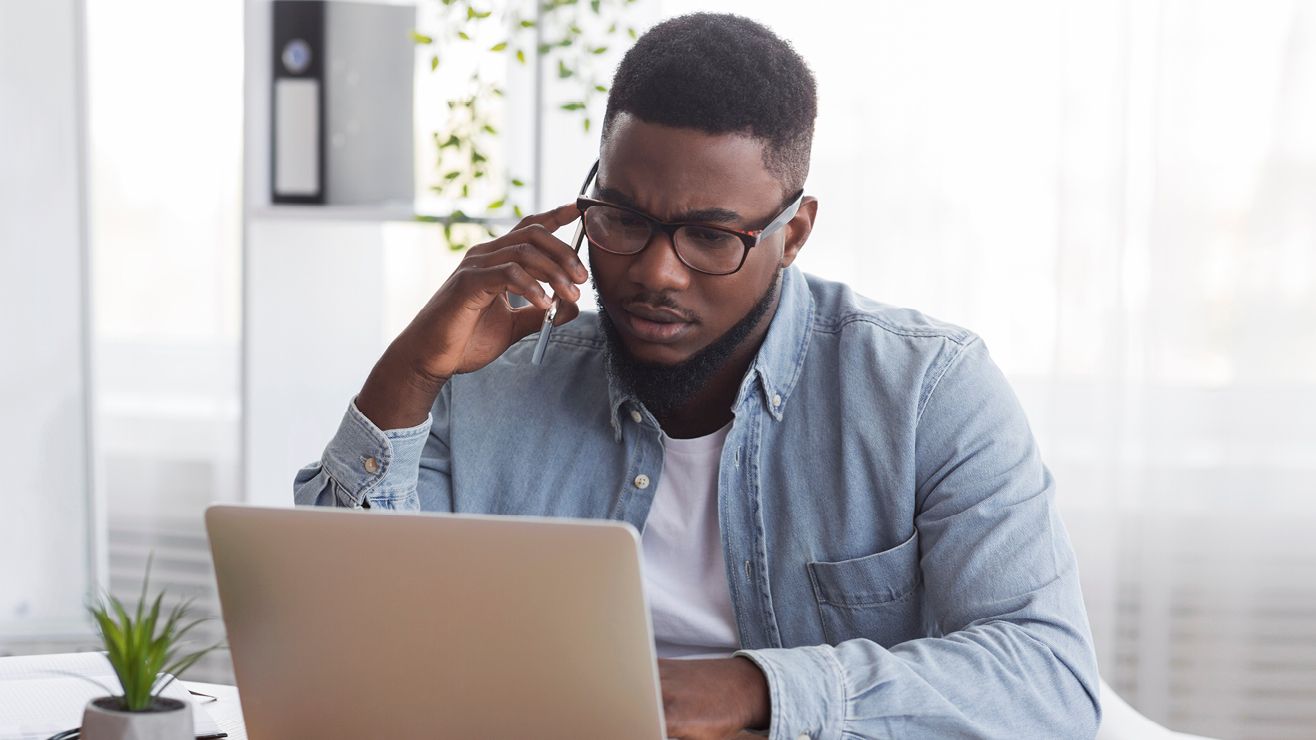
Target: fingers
533,259
540,236
527,321
566,311
484,284
552,220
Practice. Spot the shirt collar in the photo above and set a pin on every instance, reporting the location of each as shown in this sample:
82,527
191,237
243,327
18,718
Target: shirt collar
780,360
776,368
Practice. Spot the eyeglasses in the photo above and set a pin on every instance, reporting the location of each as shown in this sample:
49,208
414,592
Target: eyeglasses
705,248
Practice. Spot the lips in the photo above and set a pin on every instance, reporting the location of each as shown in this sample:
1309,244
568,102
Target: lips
653,324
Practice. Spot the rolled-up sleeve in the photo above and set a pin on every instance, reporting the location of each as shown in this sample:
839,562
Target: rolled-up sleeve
366,466
1010,652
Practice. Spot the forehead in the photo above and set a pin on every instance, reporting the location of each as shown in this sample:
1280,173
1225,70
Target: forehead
667,170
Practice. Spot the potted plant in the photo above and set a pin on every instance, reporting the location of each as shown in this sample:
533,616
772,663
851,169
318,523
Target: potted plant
146,654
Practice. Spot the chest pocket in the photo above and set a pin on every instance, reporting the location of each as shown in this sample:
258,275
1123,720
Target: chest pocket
878,596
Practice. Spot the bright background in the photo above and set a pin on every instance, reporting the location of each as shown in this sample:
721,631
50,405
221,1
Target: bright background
1118,195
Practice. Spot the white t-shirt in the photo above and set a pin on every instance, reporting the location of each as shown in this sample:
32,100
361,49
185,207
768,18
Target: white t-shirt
685,573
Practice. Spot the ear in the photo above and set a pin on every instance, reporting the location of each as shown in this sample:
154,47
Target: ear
798,229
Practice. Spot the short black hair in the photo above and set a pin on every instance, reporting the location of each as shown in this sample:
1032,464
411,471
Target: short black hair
721,73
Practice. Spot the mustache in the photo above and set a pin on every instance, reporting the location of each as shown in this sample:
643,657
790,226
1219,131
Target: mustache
660,301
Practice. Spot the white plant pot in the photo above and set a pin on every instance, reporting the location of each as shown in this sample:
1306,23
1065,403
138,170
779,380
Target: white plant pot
169,719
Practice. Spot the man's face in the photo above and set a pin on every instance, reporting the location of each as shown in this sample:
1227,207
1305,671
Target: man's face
663,311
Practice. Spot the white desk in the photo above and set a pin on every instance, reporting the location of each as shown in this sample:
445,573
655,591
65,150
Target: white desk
41,694
226,710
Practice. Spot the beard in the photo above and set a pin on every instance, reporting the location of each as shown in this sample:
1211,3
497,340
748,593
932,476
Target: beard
665,388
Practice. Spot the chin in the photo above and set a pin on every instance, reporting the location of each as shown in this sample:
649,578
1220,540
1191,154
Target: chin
655,354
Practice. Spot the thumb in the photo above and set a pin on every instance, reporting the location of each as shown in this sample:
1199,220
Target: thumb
566,311
527,320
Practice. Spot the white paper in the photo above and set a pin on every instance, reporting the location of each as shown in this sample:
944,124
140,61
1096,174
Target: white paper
41,695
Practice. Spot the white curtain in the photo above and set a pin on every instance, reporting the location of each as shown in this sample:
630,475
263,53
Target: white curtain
1120,197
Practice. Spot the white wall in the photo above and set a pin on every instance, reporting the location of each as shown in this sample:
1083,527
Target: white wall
46,548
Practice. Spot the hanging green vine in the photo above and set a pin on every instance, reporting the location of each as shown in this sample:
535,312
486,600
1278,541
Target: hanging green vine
569,36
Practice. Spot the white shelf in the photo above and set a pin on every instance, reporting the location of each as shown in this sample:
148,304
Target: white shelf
382,213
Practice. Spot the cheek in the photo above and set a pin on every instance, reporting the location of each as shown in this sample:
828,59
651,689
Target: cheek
730,302
605,270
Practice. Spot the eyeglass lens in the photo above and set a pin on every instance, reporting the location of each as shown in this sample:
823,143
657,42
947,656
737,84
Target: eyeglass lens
622,232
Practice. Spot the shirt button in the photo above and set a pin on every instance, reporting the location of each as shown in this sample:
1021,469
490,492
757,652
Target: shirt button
635,416
641,481
776,401
371,465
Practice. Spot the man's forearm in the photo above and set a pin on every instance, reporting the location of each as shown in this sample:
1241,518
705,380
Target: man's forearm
396,396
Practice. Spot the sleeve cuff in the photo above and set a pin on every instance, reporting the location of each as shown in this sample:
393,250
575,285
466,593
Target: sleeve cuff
807,689
366,461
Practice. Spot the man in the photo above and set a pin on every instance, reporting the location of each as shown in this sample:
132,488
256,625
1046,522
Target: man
840,501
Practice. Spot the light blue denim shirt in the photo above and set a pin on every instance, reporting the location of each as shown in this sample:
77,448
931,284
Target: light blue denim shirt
896,563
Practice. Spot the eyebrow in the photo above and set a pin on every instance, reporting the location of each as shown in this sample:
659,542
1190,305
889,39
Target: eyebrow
702,215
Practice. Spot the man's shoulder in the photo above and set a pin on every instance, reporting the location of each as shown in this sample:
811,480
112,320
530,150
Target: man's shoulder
574,354
839,309
579,339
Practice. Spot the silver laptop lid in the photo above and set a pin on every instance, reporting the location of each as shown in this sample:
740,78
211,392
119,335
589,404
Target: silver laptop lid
352,624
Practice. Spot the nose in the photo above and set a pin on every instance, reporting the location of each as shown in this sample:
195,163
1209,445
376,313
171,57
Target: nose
657,268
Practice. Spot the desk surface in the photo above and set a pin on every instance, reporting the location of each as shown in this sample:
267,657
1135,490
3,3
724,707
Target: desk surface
226,710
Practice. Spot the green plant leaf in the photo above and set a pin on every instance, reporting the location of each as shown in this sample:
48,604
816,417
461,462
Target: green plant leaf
516,211
517,183
496,204
572,106
488,129
631,32
421,38
434,62
452,175
586,124
179,667
563,71
520,55
463,36
500,46
601,88
527,24
139,645
599,50
594,6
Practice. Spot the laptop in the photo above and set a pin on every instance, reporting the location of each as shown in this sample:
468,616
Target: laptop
355,624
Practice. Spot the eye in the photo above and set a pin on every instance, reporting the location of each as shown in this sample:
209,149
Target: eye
711,239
